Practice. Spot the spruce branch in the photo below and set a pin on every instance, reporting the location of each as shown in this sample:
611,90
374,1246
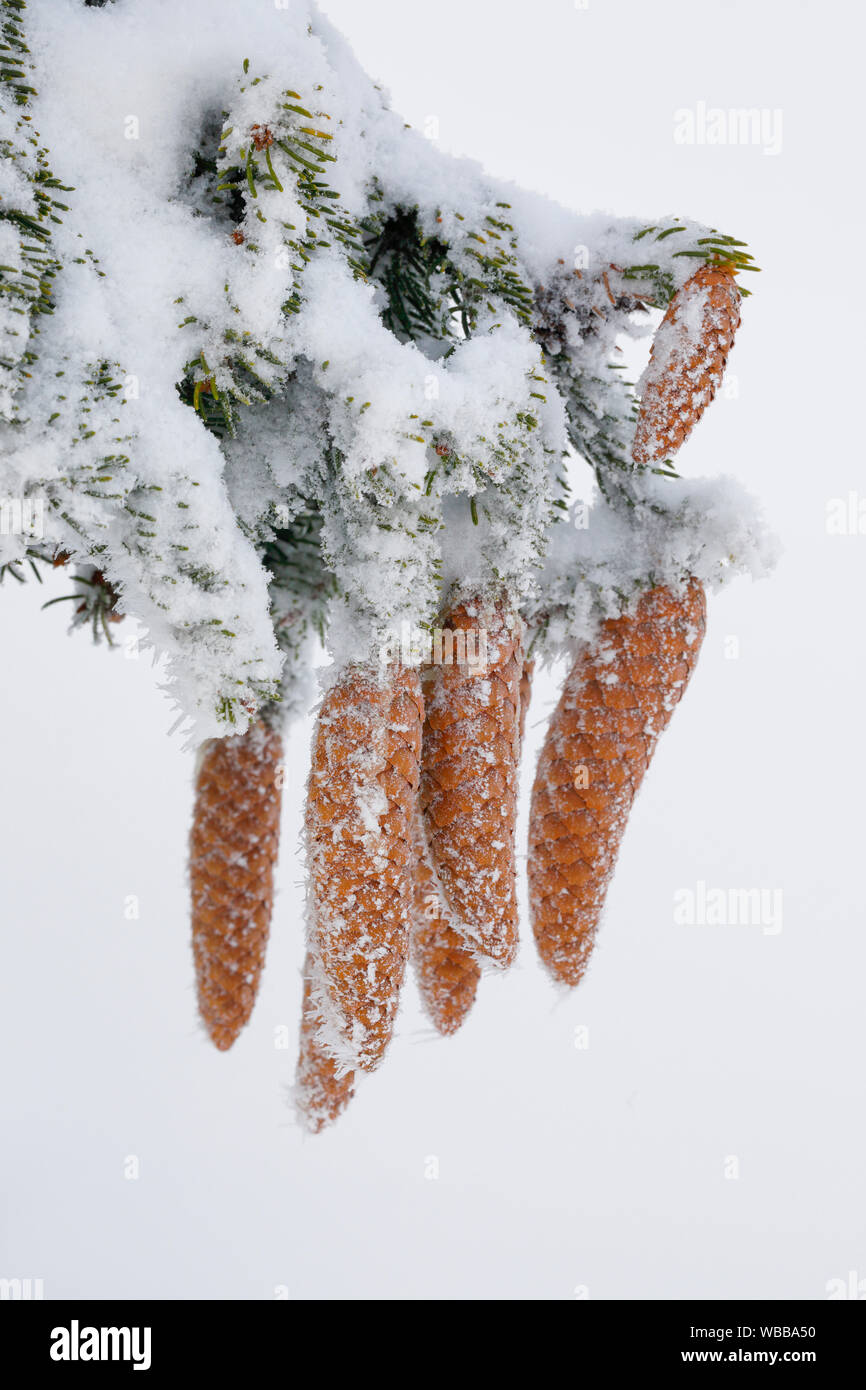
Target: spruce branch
271,175
27,277
96,603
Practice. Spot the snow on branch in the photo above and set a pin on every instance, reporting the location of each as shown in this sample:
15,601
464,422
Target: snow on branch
273,361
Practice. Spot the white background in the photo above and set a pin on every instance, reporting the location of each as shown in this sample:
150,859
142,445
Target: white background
560,1169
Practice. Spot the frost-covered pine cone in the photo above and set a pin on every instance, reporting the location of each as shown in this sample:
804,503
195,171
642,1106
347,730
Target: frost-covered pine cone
233,852
322,1089
360,804
446,970
617,700
687,364
470,760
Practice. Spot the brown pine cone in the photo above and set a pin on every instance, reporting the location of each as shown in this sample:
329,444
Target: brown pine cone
687,364
616,702
446,971
360,805
233,851
321,1092
469,783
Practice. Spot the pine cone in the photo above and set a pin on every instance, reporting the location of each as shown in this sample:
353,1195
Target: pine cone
688,360
525,694
469,783
446,971
616,702
233,851
321,1092
362,792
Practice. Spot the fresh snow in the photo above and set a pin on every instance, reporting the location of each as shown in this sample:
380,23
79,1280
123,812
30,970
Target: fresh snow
428,469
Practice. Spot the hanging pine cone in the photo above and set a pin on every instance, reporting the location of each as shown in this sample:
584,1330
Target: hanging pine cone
322,1091
360,805
616,702
687,364
469,787
233,851
445,969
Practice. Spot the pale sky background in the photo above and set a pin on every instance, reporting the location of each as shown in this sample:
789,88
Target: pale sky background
560,1169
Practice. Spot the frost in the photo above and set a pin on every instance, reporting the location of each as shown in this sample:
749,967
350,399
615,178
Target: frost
280,368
